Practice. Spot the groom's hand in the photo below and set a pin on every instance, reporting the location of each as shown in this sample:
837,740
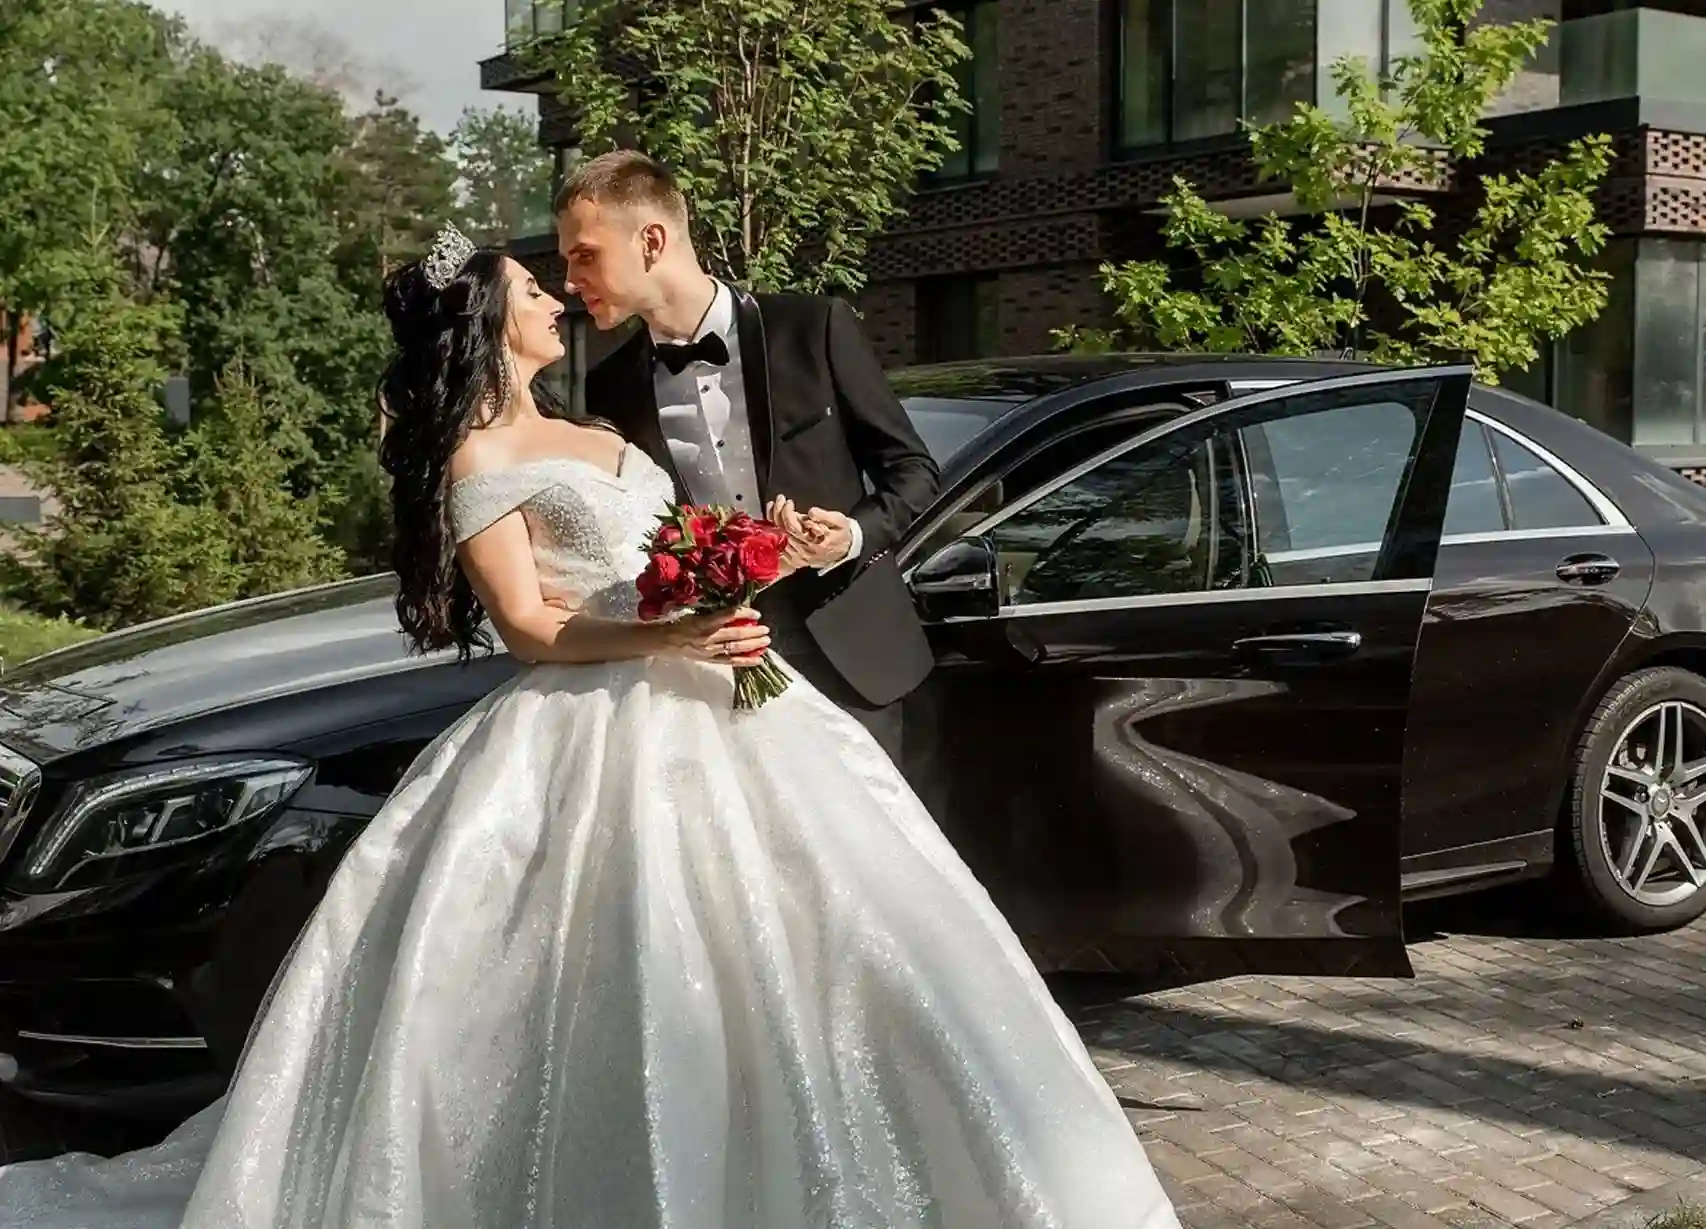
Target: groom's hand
831,537
819,539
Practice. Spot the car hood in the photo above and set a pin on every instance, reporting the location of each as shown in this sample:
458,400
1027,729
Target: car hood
147,676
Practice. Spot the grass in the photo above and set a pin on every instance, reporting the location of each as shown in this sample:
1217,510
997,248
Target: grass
24,635
20,442
1684,1216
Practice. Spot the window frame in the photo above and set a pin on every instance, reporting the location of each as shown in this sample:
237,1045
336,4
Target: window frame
1613,521
972,147
1254,395
1123,145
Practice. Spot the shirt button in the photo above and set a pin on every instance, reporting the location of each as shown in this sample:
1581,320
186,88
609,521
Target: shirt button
739,498
719,443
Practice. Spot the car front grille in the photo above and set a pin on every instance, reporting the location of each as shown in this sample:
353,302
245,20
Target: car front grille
20,783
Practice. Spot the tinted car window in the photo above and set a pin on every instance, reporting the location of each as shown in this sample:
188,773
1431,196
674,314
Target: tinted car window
1328,480
1541,497
948,424
1473,506
1155,520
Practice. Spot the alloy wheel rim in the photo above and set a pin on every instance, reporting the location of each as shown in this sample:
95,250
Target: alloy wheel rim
1650,796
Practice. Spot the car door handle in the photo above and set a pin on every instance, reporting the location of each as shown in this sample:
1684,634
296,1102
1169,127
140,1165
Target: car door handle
1301,646
1588,569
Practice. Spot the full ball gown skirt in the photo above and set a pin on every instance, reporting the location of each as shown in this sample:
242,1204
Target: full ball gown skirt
614,956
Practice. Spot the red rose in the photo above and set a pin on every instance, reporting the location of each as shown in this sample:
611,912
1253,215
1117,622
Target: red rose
651,611
723,568
761,557
704,528
685,591
668,536
666,567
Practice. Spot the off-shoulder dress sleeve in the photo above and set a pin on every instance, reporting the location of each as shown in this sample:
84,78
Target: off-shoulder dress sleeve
481,500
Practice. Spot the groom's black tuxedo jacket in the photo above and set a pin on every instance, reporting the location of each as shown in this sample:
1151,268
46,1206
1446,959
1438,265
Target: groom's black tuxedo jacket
823,420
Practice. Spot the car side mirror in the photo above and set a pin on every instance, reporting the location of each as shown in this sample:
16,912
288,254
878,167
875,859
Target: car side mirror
958,582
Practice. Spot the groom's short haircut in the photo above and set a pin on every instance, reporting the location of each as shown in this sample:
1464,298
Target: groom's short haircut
624,177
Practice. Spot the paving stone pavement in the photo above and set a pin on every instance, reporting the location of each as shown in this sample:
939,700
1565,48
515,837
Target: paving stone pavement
1518,1080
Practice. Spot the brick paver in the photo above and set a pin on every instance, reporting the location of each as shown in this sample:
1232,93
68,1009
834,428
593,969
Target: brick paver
1516,1081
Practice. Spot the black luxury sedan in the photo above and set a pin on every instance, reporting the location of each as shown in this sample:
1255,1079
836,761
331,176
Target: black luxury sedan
1234,656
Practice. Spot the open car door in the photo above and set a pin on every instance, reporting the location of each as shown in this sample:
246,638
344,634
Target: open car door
1166,729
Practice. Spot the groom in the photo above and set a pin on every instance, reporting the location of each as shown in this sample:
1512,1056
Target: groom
746,398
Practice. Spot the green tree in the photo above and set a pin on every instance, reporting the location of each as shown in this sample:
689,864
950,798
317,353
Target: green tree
122,547
79,94
404,188
1355,278
503,175
798,127
239,467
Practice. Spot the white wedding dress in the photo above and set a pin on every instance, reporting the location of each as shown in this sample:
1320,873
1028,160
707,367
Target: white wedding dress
614,956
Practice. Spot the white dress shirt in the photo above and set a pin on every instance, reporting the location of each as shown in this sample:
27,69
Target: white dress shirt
703,413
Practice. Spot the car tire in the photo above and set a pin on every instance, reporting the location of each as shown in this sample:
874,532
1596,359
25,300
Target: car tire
1624,710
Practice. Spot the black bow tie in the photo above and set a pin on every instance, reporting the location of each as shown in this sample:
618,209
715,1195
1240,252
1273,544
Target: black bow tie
710,349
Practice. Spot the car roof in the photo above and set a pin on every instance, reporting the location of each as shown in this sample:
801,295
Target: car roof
1032,390
1031,376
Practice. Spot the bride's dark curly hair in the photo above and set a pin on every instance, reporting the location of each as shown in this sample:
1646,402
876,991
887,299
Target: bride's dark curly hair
450,375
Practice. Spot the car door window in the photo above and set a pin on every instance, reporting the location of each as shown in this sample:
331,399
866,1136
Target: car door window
1329,480
1152,521
1474,505
1064,452
1540,497
1302,494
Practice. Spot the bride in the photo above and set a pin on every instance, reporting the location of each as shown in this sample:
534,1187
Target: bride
614,955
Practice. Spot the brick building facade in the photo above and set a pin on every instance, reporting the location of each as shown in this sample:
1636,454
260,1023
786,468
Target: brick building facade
1087,109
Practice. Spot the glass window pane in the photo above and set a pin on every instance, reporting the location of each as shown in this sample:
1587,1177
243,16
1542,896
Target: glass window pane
1541,497
1157,520
1328,480
1667,347
1207,46
518,20
1672,46
1595,375
1280,68
1345,28
1144,31
1536,86
986,88
1473,506
1403,35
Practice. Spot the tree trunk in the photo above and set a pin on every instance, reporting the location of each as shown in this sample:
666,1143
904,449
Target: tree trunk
8,369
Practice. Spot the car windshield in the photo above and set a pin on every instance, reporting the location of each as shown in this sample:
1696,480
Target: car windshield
948,424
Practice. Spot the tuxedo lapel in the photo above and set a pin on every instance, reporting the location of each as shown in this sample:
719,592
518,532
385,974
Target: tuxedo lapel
755,375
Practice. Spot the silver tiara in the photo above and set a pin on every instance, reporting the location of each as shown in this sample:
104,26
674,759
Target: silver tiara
450,251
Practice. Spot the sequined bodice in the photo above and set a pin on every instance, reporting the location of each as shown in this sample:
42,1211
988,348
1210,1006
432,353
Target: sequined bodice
587,526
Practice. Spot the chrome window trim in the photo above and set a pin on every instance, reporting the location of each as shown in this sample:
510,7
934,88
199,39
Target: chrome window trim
1353,588
1325,385
1530,535
1607,511
117,1043
1322,552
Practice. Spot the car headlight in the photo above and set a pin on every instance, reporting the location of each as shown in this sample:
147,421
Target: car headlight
133,822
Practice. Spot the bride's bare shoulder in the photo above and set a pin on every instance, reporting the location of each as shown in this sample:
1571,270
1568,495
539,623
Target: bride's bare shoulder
477,454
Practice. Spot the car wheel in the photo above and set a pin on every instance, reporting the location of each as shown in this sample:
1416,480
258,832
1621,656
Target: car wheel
1636,820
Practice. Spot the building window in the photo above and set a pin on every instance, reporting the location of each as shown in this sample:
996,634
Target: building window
958,318
1191,69
979,130
525,19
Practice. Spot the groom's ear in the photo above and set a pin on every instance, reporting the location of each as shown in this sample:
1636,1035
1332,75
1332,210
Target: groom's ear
654,238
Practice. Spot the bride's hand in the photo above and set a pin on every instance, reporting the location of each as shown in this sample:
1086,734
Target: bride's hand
721,638
782,513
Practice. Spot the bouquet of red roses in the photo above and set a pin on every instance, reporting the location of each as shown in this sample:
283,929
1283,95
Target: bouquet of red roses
705,559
